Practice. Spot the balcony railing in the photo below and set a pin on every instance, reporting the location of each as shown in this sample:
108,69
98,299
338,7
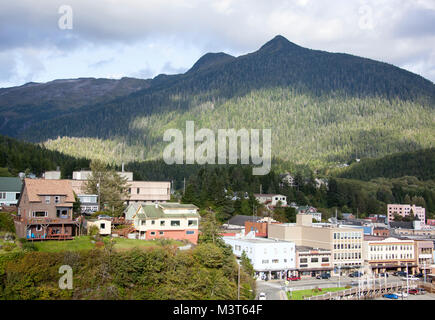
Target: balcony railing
27,220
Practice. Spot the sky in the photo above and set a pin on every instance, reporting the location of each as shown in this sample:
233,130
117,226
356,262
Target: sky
60,39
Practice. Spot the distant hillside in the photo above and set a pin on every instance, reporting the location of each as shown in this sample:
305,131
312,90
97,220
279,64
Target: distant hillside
17,156
26,105
322,107
420,164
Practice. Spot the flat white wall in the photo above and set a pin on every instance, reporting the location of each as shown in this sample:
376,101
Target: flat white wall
265,256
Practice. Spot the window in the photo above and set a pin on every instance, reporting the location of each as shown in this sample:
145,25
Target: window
192,223
143,222
47,199
62,213
275,261
38,227
56,199
313,260
303,265
138,190
39,214
238,248
2,195
265,261
162,223
103,226
153,221
160,232
153,233
175,223
303,260
326,259
190,232
17,196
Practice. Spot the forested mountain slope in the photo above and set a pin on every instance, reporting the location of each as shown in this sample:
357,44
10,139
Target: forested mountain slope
322,107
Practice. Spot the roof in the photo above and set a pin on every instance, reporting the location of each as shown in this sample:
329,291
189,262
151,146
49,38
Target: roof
240,220
258,240
151,211
267,195
402,224
307,248
10,184
175,205
42,187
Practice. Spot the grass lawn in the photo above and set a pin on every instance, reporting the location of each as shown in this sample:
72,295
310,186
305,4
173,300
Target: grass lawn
84,243
297,295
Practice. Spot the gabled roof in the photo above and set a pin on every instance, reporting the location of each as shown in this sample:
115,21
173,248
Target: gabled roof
10,184
42,187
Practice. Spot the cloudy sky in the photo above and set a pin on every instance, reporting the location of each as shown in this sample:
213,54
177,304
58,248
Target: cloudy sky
50,39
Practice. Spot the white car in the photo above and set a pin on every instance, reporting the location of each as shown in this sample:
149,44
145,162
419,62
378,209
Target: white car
402,294
410,278
262,296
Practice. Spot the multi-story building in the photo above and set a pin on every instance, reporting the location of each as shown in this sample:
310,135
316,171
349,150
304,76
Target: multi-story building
311,262
167,220
389,254
381,232
268,257
88,203
259,226
271,199
148,192
405,210
10,189
45,210
84,175
424,255
344,243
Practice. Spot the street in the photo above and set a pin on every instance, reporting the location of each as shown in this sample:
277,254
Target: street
272,288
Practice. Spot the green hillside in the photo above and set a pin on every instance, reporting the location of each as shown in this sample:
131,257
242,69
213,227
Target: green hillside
322,108
420,164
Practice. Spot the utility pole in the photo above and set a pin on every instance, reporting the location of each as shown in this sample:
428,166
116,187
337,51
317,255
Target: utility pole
238,284
184,187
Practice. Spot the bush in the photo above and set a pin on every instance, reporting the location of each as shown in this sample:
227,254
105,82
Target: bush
28,246
93,231
9,246
6,222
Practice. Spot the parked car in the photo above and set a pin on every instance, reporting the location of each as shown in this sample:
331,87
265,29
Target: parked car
262,296
391,296
402,294
326,276
410,278
419,275
384,274
400,274
355,274
414,291
293,278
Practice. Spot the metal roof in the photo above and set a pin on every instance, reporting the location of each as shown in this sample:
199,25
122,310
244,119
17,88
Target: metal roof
10,184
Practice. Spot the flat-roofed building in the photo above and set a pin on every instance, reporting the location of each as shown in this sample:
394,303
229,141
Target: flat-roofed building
424,255
404,210
167,221
389,254
268,257
311,262
148,192
344,243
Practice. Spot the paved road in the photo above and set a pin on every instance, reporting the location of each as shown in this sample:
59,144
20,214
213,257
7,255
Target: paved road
272,288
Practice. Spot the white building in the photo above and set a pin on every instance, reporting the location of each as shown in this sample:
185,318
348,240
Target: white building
84,175
266,255
271,199
104,226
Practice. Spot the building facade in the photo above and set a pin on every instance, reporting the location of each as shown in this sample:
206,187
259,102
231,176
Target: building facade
311,262
10,190
405,210
45,210
345,244
167,221
389,254
424,255
148,192
268,257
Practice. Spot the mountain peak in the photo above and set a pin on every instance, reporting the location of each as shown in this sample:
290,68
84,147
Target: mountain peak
211,59
279,42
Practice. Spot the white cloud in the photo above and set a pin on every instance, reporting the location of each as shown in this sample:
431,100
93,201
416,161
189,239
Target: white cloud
400,32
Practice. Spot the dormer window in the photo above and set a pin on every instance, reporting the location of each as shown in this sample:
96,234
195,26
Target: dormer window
47,199
56,199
